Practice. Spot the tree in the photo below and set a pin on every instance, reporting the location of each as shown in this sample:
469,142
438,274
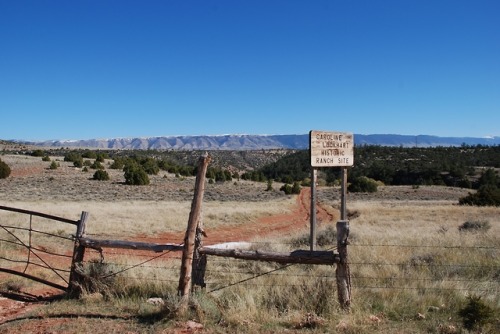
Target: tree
4,170
150,166
89,154
487,195
118,163
489,177
135,175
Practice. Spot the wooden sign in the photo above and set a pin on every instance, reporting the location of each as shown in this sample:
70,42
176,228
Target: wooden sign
331,149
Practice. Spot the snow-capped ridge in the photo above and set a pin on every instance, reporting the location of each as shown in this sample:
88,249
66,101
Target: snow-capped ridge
254,142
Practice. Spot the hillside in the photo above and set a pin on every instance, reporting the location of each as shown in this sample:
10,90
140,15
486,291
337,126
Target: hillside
255,142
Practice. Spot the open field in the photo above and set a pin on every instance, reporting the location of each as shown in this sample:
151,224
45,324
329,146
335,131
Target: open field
411,267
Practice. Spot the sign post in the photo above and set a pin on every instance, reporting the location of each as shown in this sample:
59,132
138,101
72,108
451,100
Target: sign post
334,149
329,149
312,237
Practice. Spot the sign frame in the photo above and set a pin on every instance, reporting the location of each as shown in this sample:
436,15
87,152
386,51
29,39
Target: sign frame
331,149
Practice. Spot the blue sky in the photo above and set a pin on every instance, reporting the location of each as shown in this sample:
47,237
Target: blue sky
103,69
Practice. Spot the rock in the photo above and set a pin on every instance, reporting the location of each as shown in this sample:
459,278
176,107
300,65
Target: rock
155,301
193,325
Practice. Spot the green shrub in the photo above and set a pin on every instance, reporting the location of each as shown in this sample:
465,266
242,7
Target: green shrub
487,195
150,166
135,175
306,182
286,188
54,165
101,175
476,313
89,155
78,163
363,184
118,163
97,165
4,170
75,158
38,153
46,158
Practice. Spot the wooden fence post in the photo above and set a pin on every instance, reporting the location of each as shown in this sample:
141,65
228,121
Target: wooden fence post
190,237
78,254
343,274
199,259
314,180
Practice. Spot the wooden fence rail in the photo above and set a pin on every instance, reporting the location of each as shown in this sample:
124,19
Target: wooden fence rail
194,253
122,244
298,256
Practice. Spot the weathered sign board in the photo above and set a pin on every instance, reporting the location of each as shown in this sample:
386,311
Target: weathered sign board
331,149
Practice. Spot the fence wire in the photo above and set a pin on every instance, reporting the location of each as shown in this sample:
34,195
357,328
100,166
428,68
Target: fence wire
224,273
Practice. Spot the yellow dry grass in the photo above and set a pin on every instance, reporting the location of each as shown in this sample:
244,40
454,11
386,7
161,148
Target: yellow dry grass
407,257
147,218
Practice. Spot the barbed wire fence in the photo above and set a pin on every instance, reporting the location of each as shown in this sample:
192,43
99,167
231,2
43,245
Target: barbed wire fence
225,273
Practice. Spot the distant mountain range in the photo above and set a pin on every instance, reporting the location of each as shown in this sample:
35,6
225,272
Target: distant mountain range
256,142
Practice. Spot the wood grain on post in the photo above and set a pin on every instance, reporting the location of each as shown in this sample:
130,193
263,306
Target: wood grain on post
298,256
78,255
314,180
125,244
343,275
190,237
199,260
343,195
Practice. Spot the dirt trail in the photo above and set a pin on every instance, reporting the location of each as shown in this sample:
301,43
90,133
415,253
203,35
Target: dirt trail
296,220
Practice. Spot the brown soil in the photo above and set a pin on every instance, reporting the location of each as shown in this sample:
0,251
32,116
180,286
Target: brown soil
296,220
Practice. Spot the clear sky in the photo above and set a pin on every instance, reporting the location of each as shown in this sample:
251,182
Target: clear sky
85,69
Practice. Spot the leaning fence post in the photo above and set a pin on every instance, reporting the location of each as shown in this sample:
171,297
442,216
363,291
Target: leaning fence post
199,260
78,255
343,273
190,237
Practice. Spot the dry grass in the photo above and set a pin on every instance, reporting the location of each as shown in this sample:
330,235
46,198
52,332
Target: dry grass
410,265
412,269
149,218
